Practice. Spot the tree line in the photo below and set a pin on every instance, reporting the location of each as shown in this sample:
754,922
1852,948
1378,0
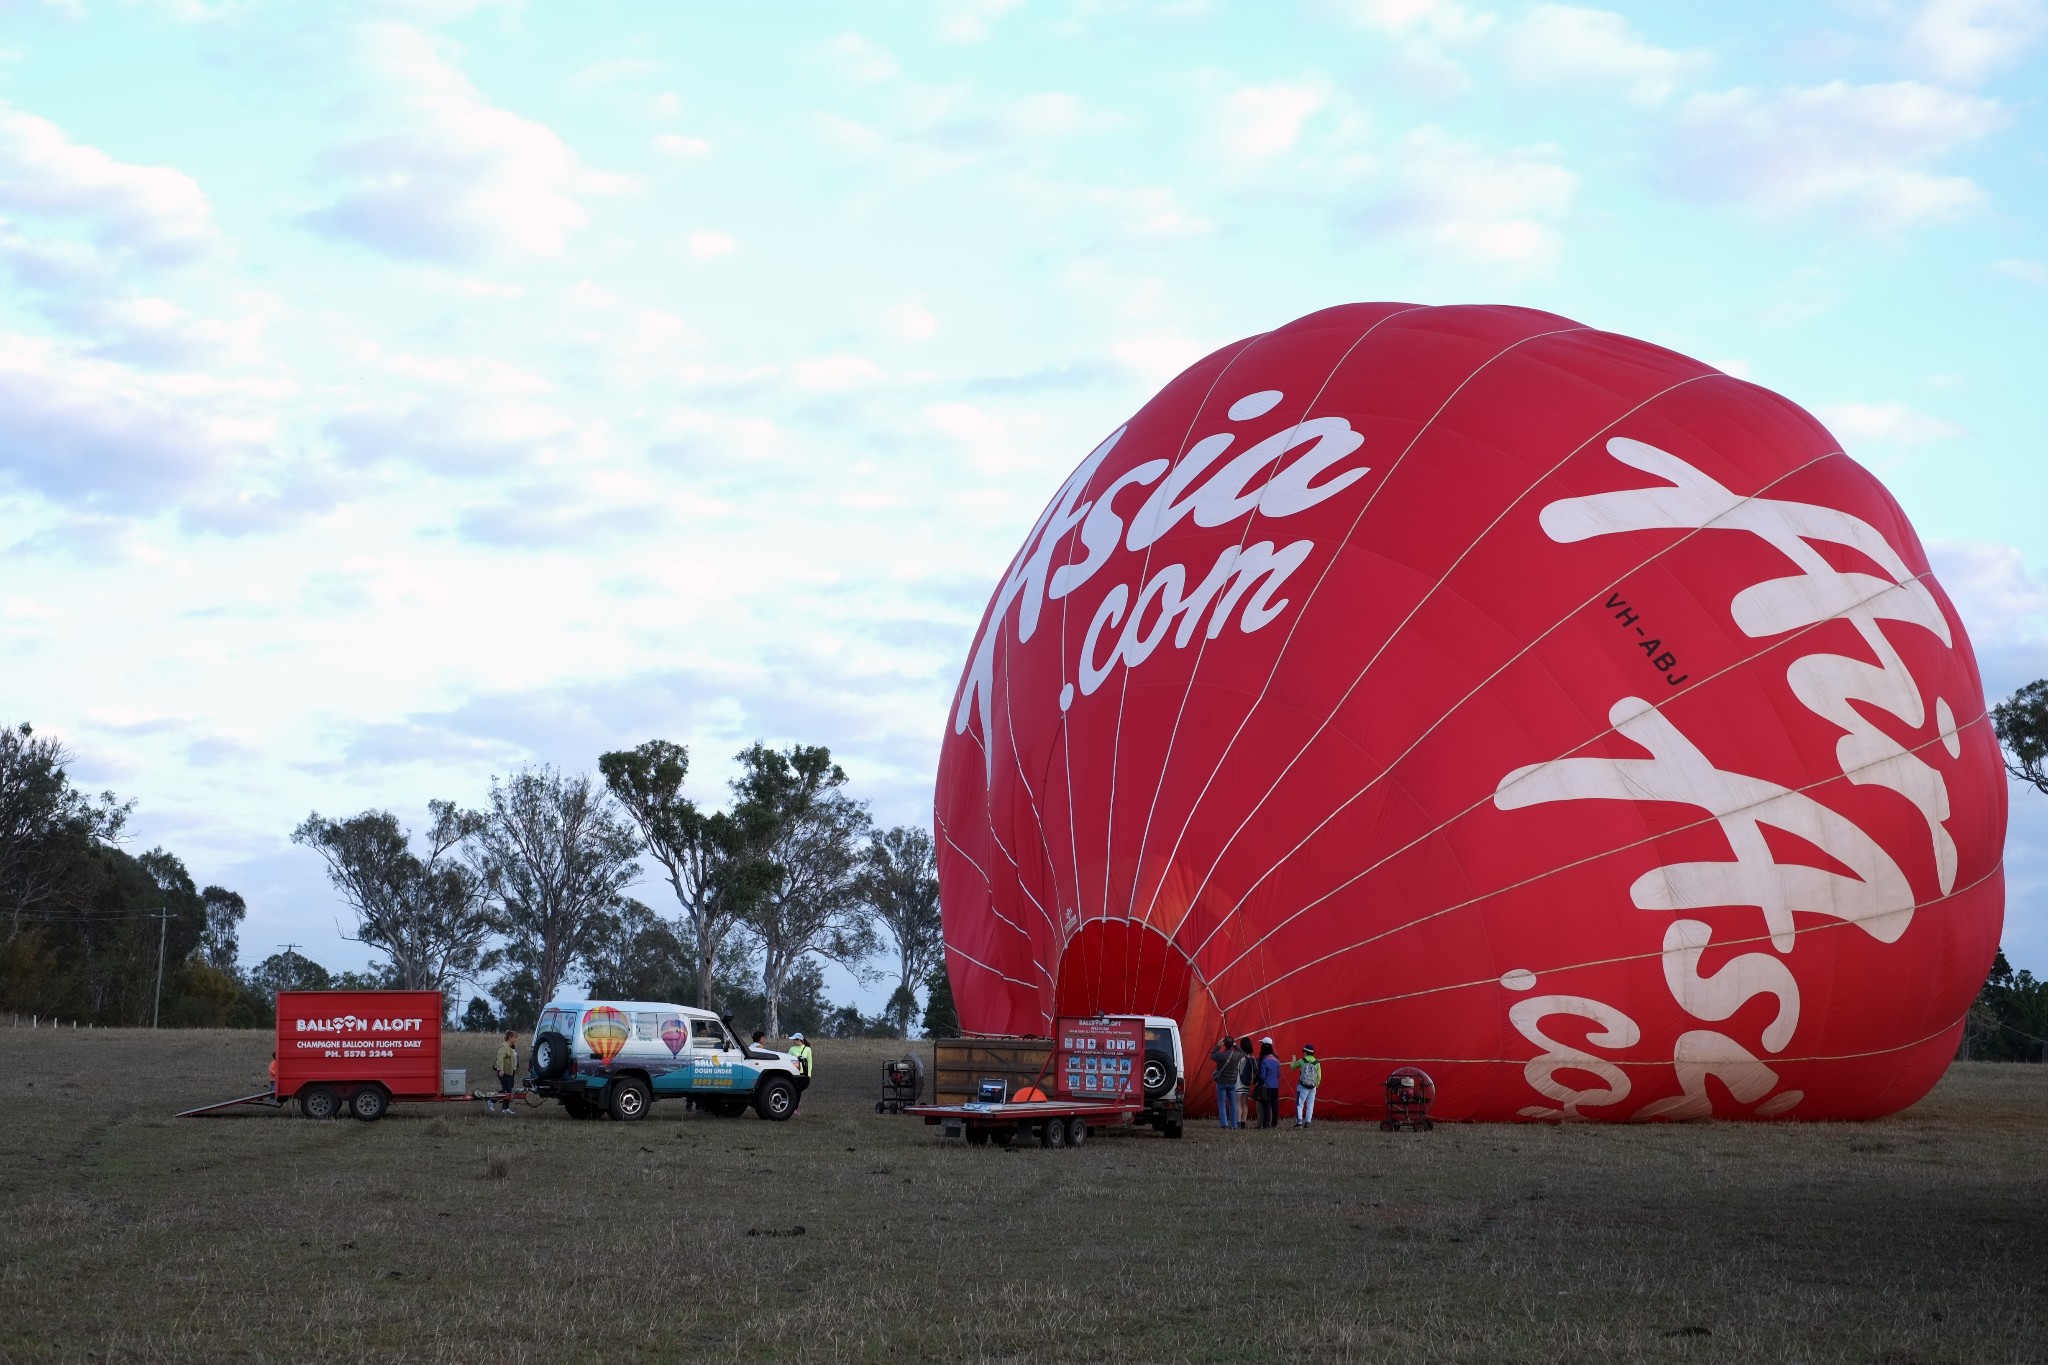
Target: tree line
520,894
528,890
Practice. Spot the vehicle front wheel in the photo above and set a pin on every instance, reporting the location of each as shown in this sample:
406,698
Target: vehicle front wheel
776,1099
318,1102
629,1100
369,1103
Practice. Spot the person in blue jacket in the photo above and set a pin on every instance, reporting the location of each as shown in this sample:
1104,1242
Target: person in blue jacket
1269,1085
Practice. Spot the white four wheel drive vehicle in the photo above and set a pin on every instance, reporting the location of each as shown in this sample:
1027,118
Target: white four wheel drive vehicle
616,1057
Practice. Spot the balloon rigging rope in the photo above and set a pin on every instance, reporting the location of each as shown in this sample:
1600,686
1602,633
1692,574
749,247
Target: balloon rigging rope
1742,663
1202,646
1294,625
1388,643
1664,1062
1713,818
1124,682
1475,691
1539,972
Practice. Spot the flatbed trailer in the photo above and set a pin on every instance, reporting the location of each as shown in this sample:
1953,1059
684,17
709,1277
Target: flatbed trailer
1048,1123
1052,1091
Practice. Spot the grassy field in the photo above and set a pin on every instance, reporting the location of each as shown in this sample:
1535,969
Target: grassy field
445,1234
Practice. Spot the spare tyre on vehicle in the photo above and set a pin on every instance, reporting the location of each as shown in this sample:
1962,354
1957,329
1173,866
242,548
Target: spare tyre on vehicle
550,1055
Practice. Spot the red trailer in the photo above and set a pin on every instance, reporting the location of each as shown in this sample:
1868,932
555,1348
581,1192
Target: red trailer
359,1049
354,1052
1092,1077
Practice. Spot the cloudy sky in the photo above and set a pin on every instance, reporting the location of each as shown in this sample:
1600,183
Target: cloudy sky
396,391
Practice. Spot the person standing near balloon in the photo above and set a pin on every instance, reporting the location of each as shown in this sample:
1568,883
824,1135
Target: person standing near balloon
1229,1066
1269,1084
1247,1082
800,1052
1308,1075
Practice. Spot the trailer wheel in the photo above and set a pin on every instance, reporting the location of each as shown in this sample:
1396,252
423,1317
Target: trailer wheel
1077,1132
977,1137
1001,1136
1053,1134
318,1102
369,1103
629,1100
776,1099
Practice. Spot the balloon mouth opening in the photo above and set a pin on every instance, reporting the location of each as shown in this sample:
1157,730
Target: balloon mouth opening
1123,966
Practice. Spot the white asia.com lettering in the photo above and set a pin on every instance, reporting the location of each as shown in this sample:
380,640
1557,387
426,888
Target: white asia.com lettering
1175,600
1875,896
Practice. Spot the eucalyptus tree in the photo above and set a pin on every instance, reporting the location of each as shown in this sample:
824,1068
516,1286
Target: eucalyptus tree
2021,721
556,853
703,854
793,810
429,913
899,881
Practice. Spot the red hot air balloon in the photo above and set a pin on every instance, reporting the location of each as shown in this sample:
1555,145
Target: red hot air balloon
606,1030
1467,687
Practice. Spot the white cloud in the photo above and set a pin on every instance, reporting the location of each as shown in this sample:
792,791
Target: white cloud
1456,199
153,211
1568,45
1888,423
706,245
1447,20
455,178
1965,40
969,21
1261,122
1866,151
91,434
910,320
859,59
682,147
1989,583
2032,272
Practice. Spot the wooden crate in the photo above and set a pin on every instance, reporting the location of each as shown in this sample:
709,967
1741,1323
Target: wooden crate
960,1065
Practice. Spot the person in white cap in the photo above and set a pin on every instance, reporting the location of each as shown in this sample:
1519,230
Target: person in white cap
1269,1084
1308,1074
800,1053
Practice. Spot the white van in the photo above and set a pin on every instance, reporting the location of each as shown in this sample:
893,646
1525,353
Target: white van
617,1057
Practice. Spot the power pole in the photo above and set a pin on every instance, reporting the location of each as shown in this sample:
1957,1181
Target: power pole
163,932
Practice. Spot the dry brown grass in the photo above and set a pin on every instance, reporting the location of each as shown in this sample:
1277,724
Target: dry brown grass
126,1235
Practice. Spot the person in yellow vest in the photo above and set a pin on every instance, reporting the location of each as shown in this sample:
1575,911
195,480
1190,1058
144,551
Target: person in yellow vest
800,1053
1308,1074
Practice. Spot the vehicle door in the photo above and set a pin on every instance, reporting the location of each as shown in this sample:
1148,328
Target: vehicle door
716,1067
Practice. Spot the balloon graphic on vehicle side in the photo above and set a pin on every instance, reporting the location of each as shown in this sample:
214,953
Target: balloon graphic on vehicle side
606,1030
676,1033
1468,688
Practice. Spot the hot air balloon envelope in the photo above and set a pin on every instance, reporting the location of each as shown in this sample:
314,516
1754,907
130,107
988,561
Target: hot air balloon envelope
1467,687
